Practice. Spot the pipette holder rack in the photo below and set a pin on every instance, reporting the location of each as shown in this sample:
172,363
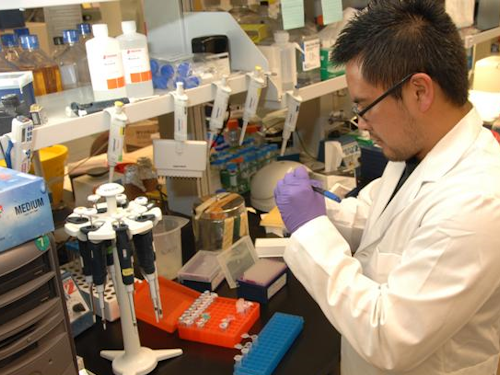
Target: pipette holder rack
134,359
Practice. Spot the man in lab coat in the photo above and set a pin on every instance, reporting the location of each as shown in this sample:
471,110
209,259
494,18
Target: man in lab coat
409,271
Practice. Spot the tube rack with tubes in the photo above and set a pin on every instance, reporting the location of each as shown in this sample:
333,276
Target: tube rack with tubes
117,224
263,354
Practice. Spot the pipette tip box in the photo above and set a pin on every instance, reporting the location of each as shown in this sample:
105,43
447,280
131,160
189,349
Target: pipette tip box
273,342
202,272
263,280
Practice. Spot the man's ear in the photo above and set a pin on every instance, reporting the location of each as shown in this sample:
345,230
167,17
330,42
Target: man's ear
422,91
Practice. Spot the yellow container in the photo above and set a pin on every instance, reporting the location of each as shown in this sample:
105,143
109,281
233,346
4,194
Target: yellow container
52,159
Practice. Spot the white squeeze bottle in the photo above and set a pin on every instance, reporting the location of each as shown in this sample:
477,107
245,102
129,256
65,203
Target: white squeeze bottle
105,65
134,47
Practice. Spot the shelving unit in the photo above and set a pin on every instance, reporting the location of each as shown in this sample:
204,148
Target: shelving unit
62,128
472,40
16,4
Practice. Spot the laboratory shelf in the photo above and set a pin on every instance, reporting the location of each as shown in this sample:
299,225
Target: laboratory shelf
322,88
16,4
471,40
61,128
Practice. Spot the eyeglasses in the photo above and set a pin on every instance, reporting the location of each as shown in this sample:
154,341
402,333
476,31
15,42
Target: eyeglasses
360,114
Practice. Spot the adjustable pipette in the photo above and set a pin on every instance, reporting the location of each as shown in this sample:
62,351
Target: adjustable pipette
99,273
292,115
180,117
257,83
117,124
219,109
145,253
124,250
86,259
108,250
17,146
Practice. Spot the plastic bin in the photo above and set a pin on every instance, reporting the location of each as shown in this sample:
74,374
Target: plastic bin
168,245
53,159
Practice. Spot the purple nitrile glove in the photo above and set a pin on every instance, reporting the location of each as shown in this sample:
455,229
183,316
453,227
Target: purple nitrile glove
297,201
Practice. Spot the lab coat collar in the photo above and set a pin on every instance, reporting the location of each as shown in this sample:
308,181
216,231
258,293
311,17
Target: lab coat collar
443,156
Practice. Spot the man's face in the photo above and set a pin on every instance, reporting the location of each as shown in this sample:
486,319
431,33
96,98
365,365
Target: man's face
389,122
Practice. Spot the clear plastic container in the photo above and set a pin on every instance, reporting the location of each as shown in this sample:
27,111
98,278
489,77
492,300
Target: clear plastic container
134,47
75,52
309,62
105,65
288,65
46,74
168,245
68,60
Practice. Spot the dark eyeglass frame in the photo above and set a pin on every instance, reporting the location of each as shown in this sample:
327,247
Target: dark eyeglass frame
391,90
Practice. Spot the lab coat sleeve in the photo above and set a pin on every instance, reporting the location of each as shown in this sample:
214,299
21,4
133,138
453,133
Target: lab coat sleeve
448,270
349,216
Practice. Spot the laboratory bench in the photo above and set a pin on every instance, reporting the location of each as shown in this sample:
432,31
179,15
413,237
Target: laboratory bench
316,351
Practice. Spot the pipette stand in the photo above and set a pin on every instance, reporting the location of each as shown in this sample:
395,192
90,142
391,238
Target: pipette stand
134,359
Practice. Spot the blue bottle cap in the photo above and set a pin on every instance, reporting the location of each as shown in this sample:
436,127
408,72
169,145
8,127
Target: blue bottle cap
167,71
70,36
29,42
9,40
84,28
192,82
154,66
160,82
184,69
21,31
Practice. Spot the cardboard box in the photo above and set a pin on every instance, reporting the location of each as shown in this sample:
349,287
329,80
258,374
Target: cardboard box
139,134
25,211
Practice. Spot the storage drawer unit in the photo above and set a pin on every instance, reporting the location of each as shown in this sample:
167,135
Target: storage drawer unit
35,337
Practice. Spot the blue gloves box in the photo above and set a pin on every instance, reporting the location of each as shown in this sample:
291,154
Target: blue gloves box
25,211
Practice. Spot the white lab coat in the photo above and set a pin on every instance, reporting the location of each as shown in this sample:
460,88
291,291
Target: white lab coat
421,294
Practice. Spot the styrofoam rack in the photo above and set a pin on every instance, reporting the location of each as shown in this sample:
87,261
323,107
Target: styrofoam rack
111,308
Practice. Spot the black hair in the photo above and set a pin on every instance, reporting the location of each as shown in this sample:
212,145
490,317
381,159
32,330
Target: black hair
393,38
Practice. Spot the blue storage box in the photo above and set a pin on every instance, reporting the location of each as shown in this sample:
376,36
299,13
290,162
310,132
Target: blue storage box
263,280
20,83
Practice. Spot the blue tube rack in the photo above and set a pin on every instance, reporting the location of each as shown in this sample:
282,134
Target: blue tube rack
272,344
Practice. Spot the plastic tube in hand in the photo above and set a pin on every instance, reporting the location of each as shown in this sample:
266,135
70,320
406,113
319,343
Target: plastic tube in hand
116,137
292,115
146,255
124,250
180,116
219,109
257,83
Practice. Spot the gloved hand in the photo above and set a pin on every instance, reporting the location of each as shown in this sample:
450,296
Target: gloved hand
297,201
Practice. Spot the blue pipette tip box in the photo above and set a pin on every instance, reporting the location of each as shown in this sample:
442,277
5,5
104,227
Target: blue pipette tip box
273,342
262,280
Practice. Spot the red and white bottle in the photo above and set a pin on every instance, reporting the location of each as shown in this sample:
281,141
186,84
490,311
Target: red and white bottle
135,57
105,65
